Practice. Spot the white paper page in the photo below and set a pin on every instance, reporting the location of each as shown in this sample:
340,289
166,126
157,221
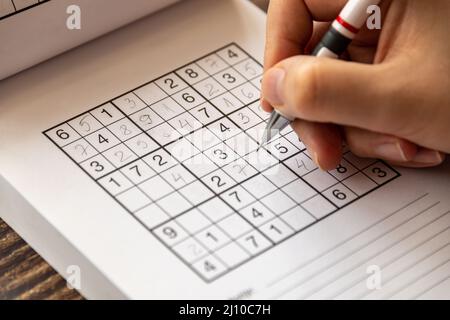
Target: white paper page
32,31
311,235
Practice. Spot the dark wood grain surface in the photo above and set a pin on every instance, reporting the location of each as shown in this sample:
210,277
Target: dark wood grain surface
24,274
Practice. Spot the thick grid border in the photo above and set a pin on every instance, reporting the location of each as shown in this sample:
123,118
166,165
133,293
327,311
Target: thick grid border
215,194
23,9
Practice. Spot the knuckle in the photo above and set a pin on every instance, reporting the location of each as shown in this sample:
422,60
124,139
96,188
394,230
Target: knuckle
304,89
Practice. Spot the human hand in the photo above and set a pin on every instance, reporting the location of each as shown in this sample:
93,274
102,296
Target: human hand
391,100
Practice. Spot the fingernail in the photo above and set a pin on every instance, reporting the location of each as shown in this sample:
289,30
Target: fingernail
272,86
316,160
390,151
427,156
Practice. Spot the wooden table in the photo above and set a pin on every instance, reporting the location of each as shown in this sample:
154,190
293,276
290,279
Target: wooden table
24,274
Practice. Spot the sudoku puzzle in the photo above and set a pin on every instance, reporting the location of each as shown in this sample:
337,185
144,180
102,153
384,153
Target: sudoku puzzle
12,7
180,154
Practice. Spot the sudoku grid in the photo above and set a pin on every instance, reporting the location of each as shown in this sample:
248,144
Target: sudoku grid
12,7
180,153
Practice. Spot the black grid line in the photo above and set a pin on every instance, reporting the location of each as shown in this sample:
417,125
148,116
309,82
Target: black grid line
17,11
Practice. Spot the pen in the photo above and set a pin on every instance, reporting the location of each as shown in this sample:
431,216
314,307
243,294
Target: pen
342,31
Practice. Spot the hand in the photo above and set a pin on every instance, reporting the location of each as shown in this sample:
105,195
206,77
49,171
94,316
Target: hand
390,100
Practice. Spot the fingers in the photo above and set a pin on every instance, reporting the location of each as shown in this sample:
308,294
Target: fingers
395,150
323,141
335,91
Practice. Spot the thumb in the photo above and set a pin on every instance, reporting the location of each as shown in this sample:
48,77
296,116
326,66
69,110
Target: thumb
335,91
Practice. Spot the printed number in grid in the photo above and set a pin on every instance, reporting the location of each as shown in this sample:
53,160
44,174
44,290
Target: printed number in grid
181,154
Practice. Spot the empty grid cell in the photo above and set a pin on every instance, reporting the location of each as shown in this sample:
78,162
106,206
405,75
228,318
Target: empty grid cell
209,88
102,139
133,199
242,144
277,230
237,197
320,180
192,73
280,175
259,186
171,83
120,155
167,108
115,183
209,267
85,124
232,54
164,134
234,226
193,221
80,150
63,135
232,254
196,192
215,209
97,166
360,163
293,138
142,144
205,113
151,216
359,183
212,237
188,98
261,160
146,119
200,165
174,204
203,139
124,129
247,93
301,164
249,68
150,93
129,103
190,250
178,176
218,181
257,213
170,233
160,160
380,173
107,114
299,191
318,206
297,218
340,195
156,188
257,132
278,202
254,242
227,103
212,64
182,149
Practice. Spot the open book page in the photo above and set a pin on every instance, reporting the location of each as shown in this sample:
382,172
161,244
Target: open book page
143,155
32,31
